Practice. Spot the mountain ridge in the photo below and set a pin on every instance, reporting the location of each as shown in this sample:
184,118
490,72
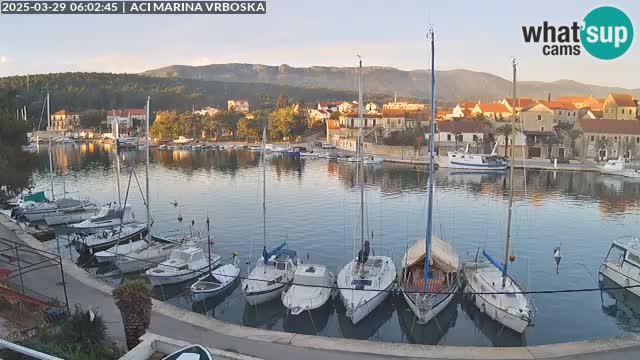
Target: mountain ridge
453,85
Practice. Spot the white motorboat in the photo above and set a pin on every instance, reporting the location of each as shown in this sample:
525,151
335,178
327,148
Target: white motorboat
107,238
71,216
429,282
618,167
309,154
364,282
109,216
312,288
110,255
216,281
183,264
182,140
622,263
38,211
463,159
269,278
192,352
373,160
509,307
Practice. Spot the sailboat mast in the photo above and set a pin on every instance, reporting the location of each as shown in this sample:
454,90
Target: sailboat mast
431,166
117,135
511,172
209,242
361,162
53,195
264,189
147,174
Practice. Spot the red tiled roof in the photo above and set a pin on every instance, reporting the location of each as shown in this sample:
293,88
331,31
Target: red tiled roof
493,108
63,113
393,113
522,102
609,126
574,99
421,115
467,105
560,105
464,125
625,100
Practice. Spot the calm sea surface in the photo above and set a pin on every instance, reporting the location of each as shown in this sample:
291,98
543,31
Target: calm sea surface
313,204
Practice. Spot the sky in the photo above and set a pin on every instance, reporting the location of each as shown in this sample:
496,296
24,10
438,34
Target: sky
474,35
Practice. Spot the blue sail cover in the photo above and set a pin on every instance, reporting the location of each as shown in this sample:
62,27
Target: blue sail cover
493,261
267,254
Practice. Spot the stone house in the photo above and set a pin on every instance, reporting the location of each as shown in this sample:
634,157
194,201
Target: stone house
619,107
64,120
608,138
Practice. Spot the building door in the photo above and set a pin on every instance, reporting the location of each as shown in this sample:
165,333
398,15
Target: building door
535,152
561,153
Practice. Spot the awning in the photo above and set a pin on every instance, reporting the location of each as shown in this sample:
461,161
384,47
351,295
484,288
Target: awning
443,256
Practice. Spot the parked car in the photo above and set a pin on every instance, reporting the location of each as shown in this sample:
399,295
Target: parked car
328,146
317,143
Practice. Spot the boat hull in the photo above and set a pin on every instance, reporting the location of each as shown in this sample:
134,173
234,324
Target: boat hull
620,278
360,312
63,219
110,243
230,271
477,167
425,315
505,318
258,297
175,279
302,305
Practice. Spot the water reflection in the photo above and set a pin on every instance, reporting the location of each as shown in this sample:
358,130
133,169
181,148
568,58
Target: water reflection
498,334
367,327
430,333
620,304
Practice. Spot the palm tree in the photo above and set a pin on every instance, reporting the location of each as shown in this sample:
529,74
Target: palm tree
133,299
505,130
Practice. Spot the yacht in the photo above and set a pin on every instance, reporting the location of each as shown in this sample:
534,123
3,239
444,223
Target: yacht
366,281
38,211
622,263
147,254
109,216
617,167
71,216
463,159
107,238
312,288
273,272
508,305
184,264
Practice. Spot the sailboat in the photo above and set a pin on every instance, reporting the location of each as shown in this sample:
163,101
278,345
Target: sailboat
365,282
37,211
147,253
506,303
276,268
429,278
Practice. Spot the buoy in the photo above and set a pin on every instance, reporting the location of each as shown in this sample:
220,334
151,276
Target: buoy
512,258
180,217
174,203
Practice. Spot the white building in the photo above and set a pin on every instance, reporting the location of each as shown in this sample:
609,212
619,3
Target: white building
403,105
207,111
241,106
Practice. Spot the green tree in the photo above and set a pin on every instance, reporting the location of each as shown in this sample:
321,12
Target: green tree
506,130
165,126
335,115
133,299
286,123
249,128
93,119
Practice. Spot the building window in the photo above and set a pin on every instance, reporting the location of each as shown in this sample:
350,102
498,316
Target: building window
615,139
622,111
475,137
541,128
593,138
638,140
539,117
559,112
448,137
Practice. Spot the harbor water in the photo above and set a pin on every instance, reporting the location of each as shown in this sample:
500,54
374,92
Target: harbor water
313,204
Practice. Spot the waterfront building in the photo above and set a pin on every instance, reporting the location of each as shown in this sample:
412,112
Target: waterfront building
209,111
563,112
328,106
241,106
403,105
619,107
458,133
64,120
608,138
492,111
127,119
463,110
522,103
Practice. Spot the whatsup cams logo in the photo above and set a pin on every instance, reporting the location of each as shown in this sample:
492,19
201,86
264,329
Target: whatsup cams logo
605,33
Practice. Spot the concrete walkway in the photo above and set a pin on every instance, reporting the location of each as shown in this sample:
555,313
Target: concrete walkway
173,322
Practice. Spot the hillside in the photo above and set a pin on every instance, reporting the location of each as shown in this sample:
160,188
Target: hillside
81,91
453,85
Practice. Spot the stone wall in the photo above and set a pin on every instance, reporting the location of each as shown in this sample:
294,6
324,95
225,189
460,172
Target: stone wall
399,152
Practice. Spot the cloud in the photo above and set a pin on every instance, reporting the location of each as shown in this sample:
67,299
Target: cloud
3,59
